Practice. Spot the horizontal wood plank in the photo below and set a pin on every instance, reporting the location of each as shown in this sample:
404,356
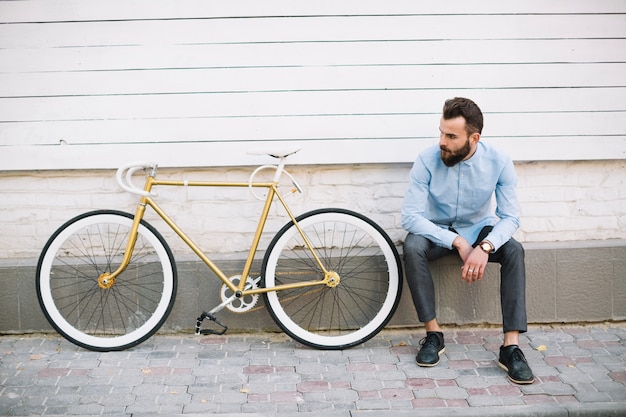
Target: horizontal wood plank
248,80
255,55
285,29
30,87
86,10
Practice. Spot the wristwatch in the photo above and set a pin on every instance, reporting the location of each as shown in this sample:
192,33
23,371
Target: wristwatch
486,246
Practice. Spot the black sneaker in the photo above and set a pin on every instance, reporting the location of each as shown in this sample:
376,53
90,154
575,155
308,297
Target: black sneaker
431,347
513,361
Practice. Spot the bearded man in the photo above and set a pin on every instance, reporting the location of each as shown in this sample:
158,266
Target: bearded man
448,210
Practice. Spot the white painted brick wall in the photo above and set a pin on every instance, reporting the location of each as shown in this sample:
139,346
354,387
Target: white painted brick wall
565,201
561,201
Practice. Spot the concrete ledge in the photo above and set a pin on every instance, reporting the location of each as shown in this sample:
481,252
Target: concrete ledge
545,410
542,410
566,283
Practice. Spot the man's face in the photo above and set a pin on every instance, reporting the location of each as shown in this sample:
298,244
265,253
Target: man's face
454,142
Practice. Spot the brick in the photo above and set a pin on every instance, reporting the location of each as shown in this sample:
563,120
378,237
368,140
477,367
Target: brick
505,390
53,372
258,369
255,407
367,404
367,384
461,364
592,396
484,401
428,403
342,396
285,397
396,394
451,393
313,386
84,409
231,398
557,389
619,376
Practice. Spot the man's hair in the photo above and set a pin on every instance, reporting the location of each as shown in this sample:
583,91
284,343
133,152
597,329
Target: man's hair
467,109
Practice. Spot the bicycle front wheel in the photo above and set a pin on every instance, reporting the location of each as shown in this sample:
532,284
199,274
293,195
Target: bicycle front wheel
368,267
99,314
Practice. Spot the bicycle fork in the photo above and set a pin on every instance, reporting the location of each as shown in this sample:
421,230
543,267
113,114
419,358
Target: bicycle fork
106,280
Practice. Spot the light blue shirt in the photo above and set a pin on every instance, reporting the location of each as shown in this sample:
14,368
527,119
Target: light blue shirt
461,197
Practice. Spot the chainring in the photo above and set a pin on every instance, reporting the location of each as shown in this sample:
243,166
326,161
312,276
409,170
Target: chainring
241,304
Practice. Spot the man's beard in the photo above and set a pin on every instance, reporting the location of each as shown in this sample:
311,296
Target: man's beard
451,158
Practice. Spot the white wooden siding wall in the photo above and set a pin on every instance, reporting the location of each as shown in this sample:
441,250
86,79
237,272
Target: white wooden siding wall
93,84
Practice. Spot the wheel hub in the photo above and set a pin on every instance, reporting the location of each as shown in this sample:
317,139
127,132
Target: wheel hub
106,281
332,279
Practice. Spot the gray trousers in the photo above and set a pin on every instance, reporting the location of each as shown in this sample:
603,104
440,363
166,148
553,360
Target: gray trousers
418,251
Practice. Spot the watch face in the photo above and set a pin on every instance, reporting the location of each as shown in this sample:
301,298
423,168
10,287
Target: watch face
486,247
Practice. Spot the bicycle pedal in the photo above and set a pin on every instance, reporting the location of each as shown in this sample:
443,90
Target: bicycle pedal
211,317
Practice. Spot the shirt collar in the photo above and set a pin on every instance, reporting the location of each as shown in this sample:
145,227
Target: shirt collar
477,155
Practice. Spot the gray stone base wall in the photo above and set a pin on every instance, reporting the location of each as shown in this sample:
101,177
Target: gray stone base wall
566,282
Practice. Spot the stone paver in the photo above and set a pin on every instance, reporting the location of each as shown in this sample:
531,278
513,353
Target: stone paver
578,369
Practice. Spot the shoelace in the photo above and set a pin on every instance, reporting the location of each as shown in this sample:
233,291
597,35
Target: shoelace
430,340
517,355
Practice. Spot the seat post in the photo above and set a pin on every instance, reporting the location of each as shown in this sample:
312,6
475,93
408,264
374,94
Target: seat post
279,168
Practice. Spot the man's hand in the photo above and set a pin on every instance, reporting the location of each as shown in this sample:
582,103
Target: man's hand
474,260
474,266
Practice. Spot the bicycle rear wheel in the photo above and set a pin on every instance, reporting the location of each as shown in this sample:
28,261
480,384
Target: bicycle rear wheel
104,315
367,264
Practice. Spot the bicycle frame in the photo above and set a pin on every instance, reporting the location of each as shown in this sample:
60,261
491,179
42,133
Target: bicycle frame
330,278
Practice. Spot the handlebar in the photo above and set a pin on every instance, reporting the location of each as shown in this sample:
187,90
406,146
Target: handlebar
126,181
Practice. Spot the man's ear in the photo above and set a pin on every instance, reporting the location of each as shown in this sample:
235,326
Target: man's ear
475,137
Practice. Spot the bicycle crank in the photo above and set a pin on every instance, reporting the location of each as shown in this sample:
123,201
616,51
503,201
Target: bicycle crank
243,303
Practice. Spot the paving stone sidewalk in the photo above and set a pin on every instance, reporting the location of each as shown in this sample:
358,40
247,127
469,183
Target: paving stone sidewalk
580,370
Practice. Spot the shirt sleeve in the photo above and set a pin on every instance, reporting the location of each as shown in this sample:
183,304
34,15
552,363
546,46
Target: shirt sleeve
507,207
414,208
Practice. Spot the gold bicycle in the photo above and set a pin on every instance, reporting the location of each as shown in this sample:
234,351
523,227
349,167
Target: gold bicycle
330,278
